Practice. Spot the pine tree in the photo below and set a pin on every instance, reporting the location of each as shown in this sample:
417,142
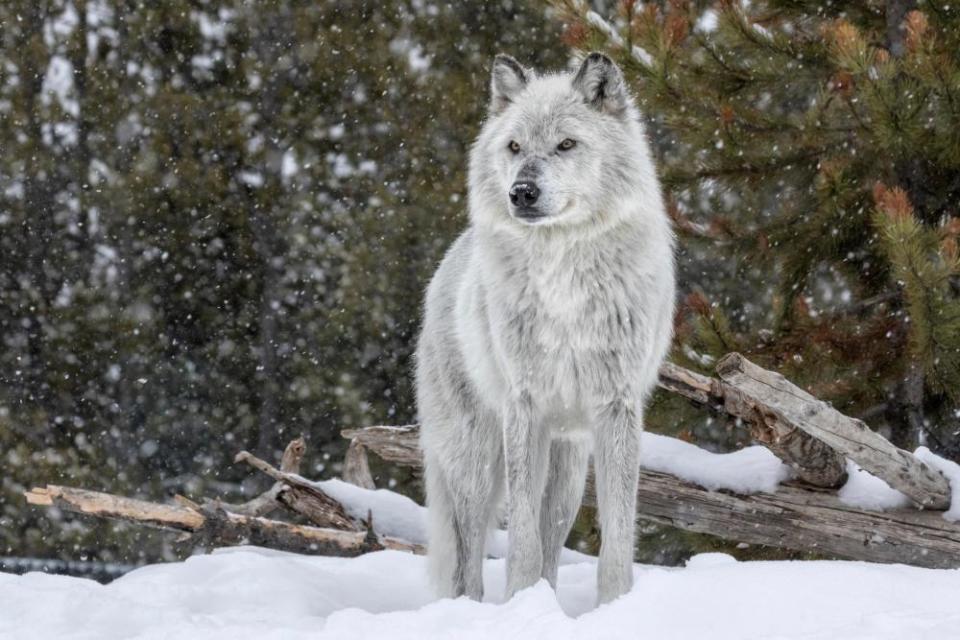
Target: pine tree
811,153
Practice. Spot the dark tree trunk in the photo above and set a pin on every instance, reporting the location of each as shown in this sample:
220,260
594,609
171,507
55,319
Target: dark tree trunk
83,155
38,223
269,44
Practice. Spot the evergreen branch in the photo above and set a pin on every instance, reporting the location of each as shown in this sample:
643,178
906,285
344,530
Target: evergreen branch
810,51
934,320
754,170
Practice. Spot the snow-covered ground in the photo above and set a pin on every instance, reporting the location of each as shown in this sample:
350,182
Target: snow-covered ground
257,593
254,593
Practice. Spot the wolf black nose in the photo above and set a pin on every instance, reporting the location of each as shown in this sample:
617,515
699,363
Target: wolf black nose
524,194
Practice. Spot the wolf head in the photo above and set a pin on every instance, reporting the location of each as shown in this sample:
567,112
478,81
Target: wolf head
558,150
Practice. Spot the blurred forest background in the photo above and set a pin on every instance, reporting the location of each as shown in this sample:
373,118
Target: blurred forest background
217,219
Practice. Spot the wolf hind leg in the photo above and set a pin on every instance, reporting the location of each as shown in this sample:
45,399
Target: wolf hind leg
561,500
617,468
475,504
443,536
463,492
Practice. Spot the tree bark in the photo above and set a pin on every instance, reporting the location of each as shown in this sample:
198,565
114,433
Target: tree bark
896,11
798,519
394,444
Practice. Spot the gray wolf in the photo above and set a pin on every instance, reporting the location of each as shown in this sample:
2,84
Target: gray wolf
544,327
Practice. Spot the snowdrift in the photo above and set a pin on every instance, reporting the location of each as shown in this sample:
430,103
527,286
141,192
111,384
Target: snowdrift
246,592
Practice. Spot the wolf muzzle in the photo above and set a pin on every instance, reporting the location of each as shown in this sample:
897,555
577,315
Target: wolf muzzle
523,196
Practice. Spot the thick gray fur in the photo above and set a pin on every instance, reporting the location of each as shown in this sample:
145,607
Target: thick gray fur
542,336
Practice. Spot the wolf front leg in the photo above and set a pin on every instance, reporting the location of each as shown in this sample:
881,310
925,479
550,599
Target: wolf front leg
525,454
617,469
562,496
461,503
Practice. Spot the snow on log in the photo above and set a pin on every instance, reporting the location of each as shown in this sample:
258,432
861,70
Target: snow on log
792,518
813,461
788,408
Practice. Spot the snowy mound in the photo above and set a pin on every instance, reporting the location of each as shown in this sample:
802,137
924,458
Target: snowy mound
398,516
255,593
750,470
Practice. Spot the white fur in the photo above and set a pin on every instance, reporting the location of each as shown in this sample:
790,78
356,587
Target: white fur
542,340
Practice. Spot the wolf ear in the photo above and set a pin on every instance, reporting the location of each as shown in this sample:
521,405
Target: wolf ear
507,79
601,83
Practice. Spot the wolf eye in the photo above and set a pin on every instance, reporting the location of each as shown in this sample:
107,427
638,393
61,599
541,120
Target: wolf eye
567,144
514,146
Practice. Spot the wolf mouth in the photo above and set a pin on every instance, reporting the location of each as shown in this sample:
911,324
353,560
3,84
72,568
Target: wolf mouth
534,216
530,216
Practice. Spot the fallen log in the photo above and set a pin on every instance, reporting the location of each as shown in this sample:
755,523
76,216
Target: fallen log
787,407
177,517
211,525
215,523
792,518
802,520
813,461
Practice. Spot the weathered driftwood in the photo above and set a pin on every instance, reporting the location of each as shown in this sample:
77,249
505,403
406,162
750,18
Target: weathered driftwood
813,461
303,497
221,528
213,526
178,517
394,444
356,468
785,405
216,524
267,501
691,385
792,518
